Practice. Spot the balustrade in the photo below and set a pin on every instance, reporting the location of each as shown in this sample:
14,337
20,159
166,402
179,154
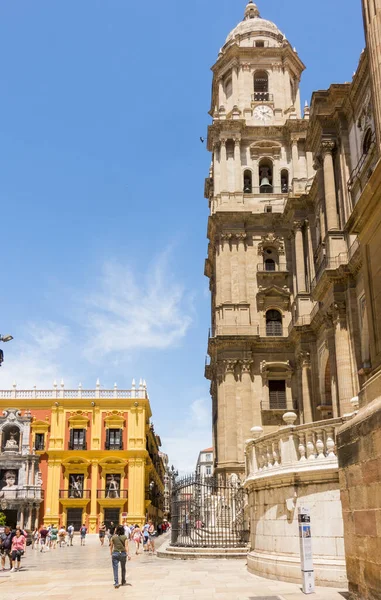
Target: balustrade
293,447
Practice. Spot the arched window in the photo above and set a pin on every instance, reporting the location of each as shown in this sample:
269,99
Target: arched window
274,325
266,176
269,264
261,86
247,182
284,181
367,143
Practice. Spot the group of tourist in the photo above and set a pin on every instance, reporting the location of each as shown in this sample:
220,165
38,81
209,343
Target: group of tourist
12,546
47,538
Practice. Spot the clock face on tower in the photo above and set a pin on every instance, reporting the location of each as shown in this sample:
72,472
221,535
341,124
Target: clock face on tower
263,113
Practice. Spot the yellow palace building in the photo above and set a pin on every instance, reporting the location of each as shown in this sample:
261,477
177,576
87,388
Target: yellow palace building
99,453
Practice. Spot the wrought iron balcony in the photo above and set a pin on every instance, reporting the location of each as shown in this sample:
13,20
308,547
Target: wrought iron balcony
74,494
272,268
112,494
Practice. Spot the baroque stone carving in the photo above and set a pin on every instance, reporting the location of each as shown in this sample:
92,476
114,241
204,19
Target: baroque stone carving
273,241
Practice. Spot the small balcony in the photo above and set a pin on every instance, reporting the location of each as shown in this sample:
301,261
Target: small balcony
265,190
112,494
74,494
262,97
27,492
272,268
77,446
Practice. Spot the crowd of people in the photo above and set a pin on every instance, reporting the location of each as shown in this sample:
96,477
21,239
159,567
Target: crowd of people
13,543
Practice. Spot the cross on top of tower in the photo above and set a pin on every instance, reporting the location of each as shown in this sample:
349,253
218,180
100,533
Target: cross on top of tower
251,11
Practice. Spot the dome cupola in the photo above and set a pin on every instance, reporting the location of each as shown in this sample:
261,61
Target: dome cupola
254,25
251,11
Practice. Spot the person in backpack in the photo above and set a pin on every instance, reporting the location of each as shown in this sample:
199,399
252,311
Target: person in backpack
83,532
70,531
6,546
119,552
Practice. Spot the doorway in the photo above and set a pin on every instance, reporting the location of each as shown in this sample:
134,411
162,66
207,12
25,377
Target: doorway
111,514
11,518
74,517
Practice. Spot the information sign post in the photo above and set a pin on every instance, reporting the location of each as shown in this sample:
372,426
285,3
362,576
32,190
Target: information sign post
304,519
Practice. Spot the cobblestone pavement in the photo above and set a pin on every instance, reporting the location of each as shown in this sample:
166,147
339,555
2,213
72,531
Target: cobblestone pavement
82,573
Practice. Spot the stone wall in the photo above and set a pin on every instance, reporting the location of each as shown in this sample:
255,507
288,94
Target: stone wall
359,451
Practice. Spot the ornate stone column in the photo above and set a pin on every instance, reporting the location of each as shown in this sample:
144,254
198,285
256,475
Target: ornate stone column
231,411
221,95
304,367
223,167
246,366
226,279
241,237
237,165
295,157
311,262
329,185
300,265
343,362
93,501
235,84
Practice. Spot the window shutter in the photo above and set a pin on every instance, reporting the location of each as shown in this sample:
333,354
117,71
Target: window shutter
107,439
71,442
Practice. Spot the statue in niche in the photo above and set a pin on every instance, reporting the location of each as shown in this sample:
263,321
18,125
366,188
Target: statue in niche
9,490
11,445
112,487
76,486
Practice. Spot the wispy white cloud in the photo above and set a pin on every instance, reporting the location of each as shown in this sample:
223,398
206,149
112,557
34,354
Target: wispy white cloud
130,311
193,435
37,360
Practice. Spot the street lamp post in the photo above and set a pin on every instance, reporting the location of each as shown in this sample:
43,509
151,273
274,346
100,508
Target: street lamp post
4,338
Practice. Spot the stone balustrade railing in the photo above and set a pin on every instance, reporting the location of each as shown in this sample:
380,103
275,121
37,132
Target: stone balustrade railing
80,393
293,447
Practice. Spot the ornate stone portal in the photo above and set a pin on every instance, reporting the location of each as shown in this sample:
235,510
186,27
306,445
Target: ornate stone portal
20,481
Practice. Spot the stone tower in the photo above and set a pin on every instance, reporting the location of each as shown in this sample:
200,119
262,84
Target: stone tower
260,258
372,23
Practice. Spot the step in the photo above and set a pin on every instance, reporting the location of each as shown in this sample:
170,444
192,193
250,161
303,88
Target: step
175,553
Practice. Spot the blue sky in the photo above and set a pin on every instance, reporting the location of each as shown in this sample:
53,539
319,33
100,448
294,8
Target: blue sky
103,217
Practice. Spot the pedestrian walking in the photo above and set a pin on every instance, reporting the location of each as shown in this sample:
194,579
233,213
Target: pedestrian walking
34,538
83,532
119,552
145,537
53,537
6,546
70,531
43,534
137,537
18,549
152,534
102,533
110,532
61,535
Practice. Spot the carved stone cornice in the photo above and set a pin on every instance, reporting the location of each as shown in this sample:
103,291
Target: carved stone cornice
232,237
297,226
272,240
245,366
338,311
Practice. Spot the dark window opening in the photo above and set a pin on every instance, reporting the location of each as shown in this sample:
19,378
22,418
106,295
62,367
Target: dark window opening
114,439
261,86
259,44
367,143
269,264
274,326
77,439
247,182
268,209
39,441
277,394
266,177
284,181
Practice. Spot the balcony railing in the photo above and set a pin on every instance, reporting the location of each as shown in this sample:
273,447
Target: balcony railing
27,492
74,494
357,171
116,446
112,494
262,97
329,264
267,190
278,400
139,392
266,268
274,329
292,447
77,446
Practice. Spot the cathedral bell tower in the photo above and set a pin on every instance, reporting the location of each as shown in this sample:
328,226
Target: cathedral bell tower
258,254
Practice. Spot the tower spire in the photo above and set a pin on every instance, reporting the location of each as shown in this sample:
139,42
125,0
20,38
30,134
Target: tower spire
251,11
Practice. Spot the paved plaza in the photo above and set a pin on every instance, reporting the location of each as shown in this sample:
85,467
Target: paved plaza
82,573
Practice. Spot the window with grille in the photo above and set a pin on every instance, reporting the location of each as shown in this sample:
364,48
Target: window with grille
277,393
77,439
274,325
39,441
114,439
261,86
269,264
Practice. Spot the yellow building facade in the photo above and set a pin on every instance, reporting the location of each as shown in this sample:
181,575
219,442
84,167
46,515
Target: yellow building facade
99,454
